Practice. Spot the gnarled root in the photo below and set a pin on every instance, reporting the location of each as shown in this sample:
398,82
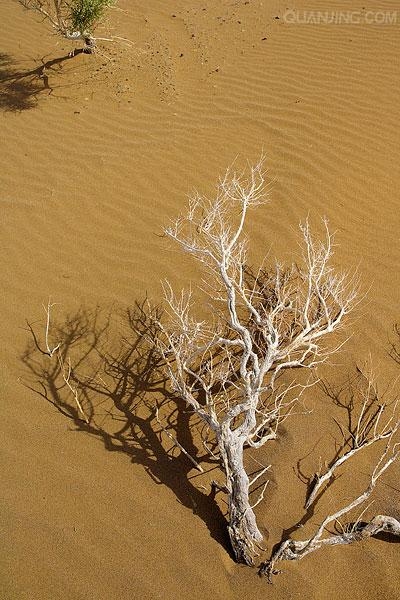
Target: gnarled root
90,45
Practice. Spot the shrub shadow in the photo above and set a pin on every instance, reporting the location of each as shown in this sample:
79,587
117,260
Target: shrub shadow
120,383
20,89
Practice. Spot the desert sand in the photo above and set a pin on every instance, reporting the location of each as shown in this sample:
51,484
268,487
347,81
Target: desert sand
96,157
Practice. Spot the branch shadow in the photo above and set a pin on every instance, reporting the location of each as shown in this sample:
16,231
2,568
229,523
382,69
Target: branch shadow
394,351
20,89
120,382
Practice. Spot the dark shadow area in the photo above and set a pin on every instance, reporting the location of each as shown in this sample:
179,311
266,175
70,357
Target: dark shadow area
20,89
120,383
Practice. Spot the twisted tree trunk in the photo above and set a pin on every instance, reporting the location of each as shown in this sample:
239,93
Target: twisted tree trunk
242,526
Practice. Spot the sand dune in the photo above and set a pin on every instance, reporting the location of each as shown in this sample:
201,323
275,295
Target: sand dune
96,158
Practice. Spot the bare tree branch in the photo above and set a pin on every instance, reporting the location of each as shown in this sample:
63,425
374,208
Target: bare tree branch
63,362
296,550
370,428
47,309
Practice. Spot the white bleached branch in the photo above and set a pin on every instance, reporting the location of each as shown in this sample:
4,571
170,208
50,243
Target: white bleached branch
371,427
296,550
47,310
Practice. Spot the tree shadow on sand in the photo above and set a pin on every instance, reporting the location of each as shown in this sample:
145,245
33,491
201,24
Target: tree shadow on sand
20,89
120,383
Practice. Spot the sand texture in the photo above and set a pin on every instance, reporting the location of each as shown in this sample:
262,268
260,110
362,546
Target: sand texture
97,155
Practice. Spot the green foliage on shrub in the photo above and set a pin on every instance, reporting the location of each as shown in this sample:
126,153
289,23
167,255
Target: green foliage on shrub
85,13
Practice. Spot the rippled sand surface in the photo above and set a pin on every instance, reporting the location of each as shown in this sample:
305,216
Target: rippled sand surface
96,156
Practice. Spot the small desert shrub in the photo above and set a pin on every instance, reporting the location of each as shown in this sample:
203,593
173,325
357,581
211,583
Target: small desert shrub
73,19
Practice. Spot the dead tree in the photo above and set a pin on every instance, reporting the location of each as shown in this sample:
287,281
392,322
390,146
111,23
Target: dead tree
264,324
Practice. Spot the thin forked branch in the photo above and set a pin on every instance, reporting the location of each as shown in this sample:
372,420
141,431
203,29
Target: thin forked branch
372,425
296,550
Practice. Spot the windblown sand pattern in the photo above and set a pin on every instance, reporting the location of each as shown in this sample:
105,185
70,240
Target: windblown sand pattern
97,156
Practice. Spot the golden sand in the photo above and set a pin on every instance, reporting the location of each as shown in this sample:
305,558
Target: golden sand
96,158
